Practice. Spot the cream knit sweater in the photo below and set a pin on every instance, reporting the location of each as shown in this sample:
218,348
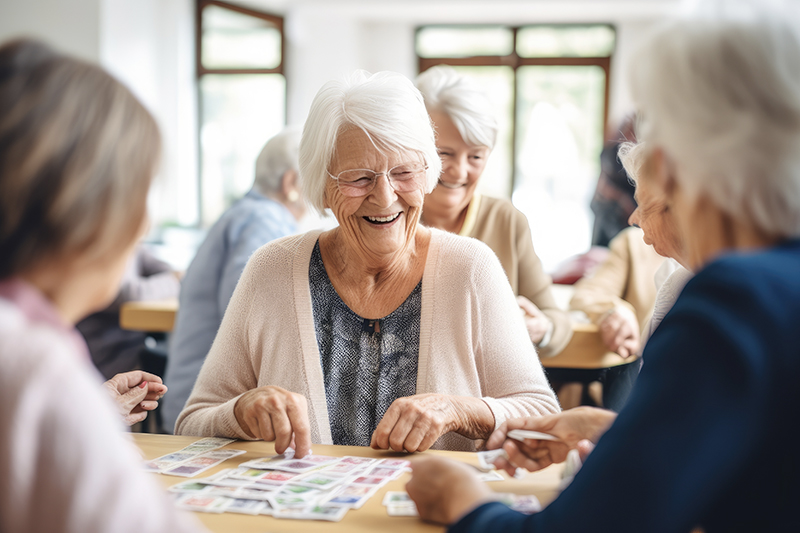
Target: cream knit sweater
472,340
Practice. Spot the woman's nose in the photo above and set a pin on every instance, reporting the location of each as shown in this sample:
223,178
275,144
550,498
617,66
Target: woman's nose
633,220
383,194
457,169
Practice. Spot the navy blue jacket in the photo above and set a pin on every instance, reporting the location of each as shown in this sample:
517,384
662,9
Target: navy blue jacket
709,435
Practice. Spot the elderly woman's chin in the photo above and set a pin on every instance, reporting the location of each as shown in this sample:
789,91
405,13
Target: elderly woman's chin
450,196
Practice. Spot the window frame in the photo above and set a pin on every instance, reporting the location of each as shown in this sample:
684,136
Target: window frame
515,61
200,71
276,20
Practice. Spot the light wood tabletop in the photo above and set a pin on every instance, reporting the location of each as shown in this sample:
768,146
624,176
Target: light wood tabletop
149,315
370,518
586,349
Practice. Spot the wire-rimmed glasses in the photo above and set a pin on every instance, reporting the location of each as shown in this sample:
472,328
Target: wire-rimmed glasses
360,181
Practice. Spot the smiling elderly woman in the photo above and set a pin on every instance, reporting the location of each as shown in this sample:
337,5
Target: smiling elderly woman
466,132
379,332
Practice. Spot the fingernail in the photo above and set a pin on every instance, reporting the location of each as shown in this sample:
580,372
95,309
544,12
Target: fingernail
143,384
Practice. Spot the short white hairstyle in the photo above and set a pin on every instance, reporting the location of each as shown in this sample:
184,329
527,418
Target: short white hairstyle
463,101
279,155
385,105
719,92
632,156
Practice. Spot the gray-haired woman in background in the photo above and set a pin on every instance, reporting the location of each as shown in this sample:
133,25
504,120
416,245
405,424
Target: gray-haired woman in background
379,332
466,132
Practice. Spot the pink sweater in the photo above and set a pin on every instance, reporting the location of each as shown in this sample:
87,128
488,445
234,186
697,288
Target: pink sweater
472,340
66,463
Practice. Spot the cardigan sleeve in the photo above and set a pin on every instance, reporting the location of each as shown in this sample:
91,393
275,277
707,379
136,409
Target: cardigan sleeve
603,291
534,284
228,371
512,377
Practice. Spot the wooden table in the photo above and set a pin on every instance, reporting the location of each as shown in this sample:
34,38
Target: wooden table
149,315
370,518
586,350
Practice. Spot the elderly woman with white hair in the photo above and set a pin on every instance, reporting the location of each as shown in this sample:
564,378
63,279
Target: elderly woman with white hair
705,439
466,132
380,331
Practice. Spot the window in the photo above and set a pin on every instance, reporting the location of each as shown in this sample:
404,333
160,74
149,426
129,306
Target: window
549,85
242,94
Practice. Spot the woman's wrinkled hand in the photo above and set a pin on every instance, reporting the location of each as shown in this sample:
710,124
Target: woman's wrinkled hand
271,413
413,423
536,321
576,428
619,330
135,393
445,490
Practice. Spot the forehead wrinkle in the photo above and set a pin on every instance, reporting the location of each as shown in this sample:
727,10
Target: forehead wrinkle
356,149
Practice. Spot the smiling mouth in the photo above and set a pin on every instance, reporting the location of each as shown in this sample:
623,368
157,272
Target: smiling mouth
451,185
382,220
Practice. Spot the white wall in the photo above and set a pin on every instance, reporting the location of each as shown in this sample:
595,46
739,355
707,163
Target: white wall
71,26
149,46
326,38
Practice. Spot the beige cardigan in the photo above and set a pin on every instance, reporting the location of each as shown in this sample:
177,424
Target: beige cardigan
505,230
625,278
472,340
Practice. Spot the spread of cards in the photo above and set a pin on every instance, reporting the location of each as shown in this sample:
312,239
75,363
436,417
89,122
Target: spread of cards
316,487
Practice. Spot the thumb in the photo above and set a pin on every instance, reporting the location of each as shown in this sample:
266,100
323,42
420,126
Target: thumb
527,305
585,447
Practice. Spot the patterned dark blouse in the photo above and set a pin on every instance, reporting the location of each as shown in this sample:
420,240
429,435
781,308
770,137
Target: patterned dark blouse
366,364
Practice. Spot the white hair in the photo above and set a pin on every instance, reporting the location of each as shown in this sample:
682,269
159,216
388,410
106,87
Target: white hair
632,156
385,105
278,156
719,92
463,101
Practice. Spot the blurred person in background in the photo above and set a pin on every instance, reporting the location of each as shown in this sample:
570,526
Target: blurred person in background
613,201
115,350
618,296
466,132
269,211
77,155
706,437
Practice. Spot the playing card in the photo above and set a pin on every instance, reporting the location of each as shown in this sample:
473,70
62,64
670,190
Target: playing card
402,509
390,473
318,480
353,496
487,459
190,487
316,512
522,434
396,497
393,463
201,463
492,475
243,506
356,460
204,504
527,504
298,466
370,480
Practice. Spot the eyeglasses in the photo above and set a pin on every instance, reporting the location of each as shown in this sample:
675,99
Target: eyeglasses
360,181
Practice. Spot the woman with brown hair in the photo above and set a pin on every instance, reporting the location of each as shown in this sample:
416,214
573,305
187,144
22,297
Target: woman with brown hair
77,154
